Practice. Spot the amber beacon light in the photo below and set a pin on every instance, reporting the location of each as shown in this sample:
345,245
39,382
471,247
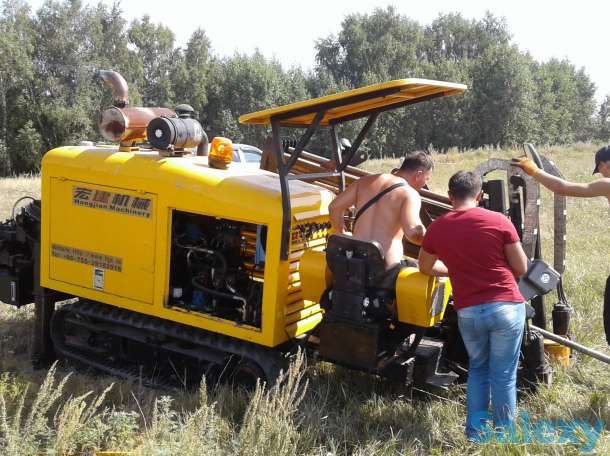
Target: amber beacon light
221,153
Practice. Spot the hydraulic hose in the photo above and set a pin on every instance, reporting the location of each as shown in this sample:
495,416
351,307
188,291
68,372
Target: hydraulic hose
222,294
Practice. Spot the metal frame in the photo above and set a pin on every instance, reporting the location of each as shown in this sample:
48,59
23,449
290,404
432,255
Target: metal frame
530,230
286,165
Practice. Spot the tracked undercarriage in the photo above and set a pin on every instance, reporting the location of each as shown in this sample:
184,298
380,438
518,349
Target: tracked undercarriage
155,352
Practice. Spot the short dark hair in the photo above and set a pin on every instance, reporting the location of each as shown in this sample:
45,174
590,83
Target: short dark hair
465,184
417,160
602,155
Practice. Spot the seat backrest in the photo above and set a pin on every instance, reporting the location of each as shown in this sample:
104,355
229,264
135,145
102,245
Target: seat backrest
355,264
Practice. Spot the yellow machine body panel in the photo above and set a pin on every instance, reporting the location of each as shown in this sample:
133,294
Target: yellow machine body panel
91,235
355,102
421,299
303,314
315,274
107,232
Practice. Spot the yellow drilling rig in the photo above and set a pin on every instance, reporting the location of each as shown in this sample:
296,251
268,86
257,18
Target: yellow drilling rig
157,259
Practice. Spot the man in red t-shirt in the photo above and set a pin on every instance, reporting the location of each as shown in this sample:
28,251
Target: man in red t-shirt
480,251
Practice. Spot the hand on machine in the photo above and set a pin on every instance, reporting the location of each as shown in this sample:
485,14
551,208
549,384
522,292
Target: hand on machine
526,164
530,163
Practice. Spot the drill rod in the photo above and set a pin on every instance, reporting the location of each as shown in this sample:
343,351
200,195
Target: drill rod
568,343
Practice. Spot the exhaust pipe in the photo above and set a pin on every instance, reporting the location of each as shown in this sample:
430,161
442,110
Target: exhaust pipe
165,129
118,85
122,123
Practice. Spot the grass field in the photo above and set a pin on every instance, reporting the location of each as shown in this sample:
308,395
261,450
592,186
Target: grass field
319,410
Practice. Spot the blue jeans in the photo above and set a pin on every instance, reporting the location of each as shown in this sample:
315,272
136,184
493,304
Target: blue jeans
492,334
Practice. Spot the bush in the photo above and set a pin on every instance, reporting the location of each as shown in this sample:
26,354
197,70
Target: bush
5,161
25,156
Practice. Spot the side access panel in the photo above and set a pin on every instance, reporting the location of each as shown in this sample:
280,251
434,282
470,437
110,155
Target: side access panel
101,239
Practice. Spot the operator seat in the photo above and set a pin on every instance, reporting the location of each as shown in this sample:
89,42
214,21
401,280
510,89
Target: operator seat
360,326
361,281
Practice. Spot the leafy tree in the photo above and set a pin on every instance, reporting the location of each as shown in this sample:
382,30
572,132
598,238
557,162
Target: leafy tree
241,84
107,34
584,109
372,48
15,72
48,97
445,122
455,38
61,90
6,168
502,98
190,75
27,149
155,54
603,120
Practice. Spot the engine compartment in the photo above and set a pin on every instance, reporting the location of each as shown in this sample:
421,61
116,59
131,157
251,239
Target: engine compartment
217,267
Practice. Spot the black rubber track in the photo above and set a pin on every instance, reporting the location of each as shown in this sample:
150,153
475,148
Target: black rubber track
210,345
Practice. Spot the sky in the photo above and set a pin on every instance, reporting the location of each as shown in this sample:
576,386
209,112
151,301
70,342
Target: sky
287,30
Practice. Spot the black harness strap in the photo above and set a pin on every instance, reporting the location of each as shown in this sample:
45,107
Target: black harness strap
376,198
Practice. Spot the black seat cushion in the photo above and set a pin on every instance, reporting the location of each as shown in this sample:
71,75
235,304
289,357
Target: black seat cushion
357,265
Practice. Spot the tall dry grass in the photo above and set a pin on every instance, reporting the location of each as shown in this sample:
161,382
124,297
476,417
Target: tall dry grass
320,409
13,188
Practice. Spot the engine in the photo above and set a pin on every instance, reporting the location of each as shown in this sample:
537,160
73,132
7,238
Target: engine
217,267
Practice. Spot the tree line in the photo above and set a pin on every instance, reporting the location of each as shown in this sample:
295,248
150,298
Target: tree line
49,98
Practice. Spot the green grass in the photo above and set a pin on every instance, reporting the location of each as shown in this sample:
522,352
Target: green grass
318,410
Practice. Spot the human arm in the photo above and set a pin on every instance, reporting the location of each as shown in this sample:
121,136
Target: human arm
428,260
430,265
599,187
412,225
516,258
513,250
342,202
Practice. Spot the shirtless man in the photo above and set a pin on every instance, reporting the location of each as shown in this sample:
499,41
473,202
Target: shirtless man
395,215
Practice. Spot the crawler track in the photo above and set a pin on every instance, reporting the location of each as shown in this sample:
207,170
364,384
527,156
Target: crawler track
156,352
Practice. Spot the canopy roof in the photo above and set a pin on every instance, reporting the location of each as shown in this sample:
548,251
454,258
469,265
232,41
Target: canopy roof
356,103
